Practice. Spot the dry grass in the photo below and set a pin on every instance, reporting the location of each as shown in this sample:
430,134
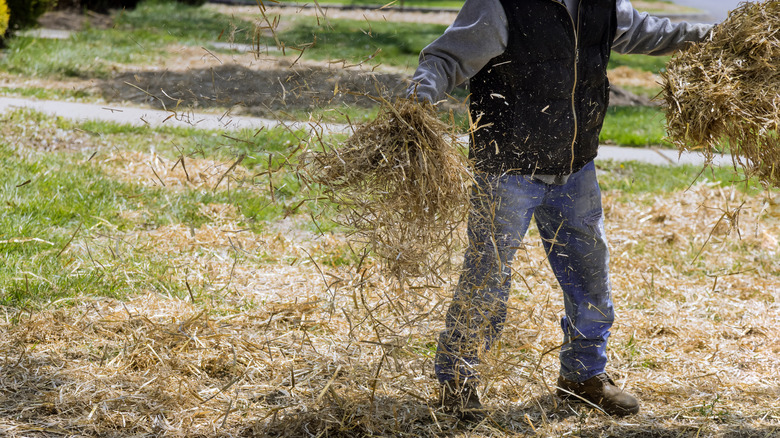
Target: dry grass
154,170
293,346
400,185
626,76
724,91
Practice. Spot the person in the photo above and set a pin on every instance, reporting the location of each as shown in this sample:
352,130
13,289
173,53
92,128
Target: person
537,72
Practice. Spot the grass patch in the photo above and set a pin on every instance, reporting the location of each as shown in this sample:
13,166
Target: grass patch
396,44
86,54
635,178
653,64
139,37
634,126
47,197
649,92
175,22
48,93
53,200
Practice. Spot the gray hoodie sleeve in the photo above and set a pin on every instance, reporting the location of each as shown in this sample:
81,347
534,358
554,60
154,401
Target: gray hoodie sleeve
478,34
643,33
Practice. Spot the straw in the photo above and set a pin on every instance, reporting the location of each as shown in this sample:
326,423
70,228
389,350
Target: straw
400,184
723,92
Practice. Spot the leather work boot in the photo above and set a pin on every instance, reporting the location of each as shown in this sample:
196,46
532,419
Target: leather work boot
462,401
602,392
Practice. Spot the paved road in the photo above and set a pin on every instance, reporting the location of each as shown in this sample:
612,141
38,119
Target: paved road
153,118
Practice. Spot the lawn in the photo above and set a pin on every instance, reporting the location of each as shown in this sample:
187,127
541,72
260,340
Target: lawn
190,282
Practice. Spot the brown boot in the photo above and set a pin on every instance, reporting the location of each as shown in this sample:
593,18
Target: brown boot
602,392
462,401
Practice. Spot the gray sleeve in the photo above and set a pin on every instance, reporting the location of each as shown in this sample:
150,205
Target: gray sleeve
643,33
478,34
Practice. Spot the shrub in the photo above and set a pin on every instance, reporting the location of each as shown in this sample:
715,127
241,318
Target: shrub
4,15
25,13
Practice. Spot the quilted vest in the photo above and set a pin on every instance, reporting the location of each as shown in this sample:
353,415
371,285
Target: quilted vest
541,104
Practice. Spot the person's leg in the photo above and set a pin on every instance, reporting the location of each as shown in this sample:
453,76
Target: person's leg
571,226
501,210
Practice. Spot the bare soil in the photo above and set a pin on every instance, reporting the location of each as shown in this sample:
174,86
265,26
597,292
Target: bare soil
263,90
75,20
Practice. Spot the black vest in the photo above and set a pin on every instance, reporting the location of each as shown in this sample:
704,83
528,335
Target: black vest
539,113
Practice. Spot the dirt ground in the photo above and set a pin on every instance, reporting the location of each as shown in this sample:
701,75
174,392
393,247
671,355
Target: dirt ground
73,19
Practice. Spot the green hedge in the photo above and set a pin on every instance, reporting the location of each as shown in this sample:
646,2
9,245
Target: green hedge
25,13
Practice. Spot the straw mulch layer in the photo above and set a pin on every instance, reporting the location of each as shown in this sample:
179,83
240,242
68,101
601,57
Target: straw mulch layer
400,183
275,339
726,91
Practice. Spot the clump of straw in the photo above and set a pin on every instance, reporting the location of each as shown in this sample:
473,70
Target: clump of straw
725,89
401,184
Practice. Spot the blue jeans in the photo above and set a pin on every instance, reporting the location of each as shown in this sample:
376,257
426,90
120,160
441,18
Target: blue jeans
570,222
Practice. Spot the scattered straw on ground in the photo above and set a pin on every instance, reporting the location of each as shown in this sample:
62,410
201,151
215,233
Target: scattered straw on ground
316,347
152,169
724,91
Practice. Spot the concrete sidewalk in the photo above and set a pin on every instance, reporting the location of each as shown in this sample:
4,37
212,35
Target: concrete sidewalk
136,116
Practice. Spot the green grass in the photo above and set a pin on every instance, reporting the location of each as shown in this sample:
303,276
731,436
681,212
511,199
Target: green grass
140,36
48,93
635,177
86,54
653,92
48,198
653,64
634,126
44,196
354,41
174,22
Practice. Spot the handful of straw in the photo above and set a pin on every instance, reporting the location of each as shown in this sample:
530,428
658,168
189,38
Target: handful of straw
726,90
401,185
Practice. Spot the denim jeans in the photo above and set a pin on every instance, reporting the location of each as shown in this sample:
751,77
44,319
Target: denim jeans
570,222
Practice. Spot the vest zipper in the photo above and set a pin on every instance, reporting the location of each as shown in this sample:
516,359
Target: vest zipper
576,27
